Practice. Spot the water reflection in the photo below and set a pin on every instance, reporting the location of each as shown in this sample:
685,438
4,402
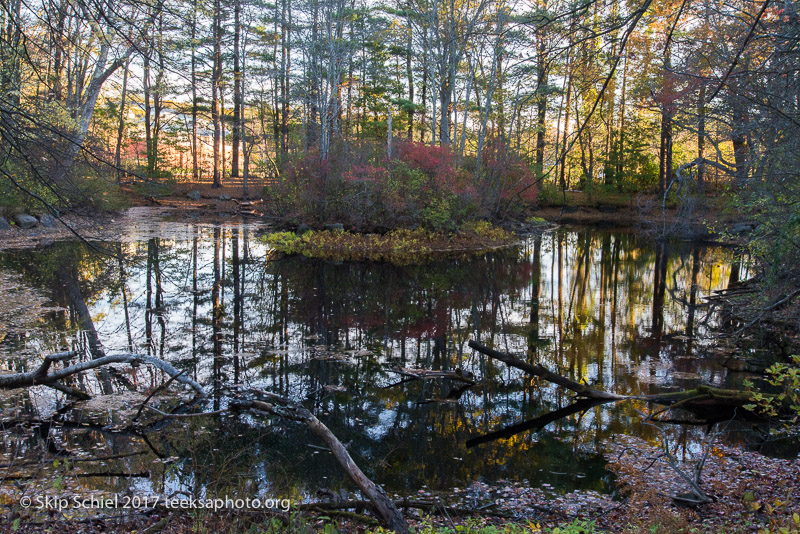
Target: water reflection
610,309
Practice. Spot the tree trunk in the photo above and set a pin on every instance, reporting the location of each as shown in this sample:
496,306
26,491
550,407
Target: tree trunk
541,105
410,76
195,166
561,181
121,126
701,132
237,95
665,151
216,79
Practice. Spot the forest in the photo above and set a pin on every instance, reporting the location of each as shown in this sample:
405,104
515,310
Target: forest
401,265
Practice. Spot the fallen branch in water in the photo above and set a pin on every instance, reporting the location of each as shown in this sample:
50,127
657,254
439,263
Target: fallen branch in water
277,405
282,407
701,400
542,372
268,403
701,397
41,376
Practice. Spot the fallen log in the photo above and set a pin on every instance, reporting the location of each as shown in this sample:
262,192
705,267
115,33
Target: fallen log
276,405
542,372
705,401
282,407
41,376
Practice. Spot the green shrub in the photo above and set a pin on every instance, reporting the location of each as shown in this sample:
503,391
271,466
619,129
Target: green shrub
550,195
786,400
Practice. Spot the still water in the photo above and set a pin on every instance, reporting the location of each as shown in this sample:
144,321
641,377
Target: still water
612,309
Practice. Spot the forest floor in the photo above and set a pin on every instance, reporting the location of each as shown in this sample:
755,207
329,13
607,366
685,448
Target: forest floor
751,493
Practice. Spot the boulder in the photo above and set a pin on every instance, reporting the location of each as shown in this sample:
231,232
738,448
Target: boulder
333,227
224,198
25,221
742,228
48,221
302,229
194,195
4,224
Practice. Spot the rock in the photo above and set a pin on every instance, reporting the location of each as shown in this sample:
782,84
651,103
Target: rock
25,221
224,198
742,228
4,224
194,195
333,227
302,229
48,221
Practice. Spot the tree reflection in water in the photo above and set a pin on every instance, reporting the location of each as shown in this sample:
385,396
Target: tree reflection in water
611,309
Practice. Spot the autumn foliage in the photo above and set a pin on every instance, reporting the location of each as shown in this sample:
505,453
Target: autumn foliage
420,186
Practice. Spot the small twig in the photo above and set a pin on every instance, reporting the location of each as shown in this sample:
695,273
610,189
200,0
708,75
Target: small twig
152,394
143,474
344,513
74,460
187,415
767,309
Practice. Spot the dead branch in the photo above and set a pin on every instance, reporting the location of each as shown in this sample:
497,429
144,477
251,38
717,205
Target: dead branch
153,394
41,376
539,370
282,407
702,399
696,496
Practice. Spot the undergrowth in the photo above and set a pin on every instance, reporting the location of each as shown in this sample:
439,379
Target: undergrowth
398,246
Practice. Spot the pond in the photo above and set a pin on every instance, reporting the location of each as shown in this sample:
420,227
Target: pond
612,309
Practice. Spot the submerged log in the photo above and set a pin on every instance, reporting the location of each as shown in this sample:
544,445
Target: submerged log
424,374
537,423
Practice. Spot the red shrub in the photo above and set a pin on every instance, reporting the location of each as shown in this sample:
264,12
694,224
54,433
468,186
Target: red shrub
435,161
507,173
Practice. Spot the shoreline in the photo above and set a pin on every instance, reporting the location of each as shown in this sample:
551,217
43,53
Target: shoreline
227,209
